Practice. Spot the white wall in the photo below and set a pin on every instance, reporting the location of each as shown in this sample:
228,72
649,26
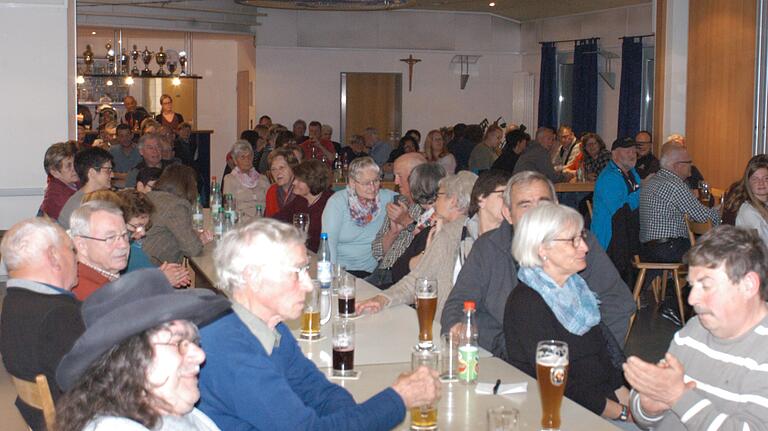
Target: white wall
300,55
609,25
675,67
37,86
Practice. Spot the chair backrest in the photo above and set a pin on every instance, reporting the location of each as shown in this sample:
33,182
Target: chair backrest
696,229
38,395
589,207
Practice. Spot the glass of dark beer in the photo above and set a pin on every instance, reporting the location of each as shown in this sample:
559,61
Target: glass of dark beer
426,304
551,375
424,417
347,296
343,347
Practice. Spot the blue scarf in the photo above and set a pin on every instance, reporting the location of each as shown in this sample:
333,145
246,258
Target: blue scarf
574,305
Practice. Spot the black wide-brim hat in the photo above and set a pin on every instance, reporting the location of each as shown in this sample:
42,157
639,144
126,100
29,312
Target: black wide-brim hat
130,305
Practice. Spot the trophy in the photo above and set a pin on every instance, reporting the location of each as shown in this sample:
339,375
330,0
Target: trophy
123,63
135,58
183,63
146,57
88,59
172,67
110,58
161,57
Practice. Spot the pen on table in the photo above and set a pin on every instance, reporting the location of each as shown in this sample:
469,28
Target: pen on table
496,386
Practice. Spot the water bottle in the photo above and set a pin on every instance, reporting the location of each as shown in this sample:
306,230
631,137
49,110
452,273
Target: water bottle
197,216
338,170
469,350
218,223
229,222
259,211
230,207
215,196
324,276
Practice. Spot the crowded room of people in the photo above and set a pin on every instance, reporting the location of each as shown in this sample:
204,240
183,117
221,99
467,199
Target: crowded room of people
280,215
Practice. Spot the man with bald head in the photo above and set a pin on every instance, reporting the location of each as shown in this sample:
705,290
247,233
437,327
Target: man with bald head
40,320
398,230
537,157
134,114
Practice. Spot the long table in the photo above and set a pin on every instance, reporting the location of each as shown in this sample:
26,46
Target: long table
382,352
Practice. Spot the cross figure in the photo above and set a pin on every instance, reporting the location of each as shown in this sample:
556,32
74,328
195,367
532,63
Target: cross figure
411,61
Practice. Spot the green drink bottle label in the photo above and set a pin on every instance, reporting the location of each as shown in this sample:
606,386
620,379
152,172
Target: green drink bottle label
468,356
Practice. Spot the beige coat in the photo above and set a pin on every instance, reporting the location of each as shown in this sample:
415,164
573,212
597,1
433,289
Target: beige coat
171,236
247,198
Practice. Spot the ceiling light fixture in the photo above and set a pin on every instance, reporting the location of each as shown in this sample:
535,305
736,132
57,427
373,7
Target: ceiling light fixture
492,4
93,33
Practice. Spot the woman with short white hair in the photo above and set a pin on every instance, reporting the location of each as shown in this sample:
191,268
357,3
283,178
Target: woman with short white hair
552,302
247,186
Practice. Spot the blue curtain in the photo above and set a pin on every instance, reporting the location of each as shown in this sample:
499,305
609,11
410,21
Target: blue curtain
585,86
630,91
548,85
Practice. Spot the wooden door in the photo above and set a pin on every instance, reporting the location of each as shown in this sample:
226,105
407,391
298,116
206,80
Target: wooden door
371,100
244,99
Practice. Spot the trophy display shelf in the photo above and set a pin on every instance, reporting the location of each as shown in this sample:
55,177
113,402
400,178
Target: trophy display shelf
166,76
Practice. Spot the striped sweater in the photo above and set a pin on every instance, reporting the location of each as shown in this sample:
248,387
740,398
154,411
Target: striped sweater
731,382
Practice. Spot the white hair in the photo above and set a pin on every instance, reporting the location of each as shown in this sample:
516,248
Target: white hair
524,178
28,240
459,186
241,146
252,247
670,154
361,164
80,220
539,226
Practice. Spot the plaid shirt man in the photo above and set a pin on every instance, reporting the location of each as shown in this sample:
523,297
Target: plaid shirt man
403,240
664,201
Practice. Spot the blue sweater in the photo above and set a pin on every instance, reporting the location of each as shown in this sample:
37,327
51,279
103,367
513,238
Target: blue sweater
242,388
611,194
351,244
138,259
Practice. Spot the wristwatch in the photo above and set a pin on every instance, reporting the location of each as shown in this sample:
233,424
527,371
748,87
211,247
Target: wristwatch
624,415
411,227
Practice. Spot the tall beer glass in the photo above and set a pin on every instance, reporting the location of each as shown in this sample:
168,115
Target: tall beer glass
426,304
310,319
424,417
551,374
343,347
347,296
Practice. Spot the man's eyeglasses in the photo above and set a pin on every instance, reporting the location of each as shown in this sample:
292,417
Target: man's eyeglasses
300,271
576,240
104,168
686,162
182,345
112,239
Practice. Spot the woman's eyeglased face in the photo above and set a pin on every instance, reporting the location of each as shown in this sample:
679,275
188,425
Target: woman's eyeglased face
172,373
244,161
567,253
367,184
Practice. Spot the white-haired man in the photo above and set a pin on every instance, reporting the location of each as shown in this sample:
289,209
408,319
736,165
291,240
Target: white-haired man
713,376
40,320
256,376
102,242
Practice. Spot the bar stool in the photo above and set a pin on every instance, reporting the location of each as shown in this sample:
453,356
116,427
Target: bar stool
658,296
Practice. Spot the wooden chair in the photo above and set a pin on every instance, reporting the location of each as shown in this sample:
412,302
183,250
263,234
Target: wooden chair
589,208
38,395
696,229
658,292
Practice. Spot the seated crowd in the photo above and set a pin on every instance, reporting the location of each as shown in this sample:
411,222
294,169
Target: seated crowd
97,302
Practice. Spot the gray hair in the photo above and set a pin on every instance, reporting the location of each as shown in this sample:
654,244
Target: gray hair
80,221
28,240
459,186
525,178
361,164
424,182
241,147
539,226
149,137
326,128
252,247
670,154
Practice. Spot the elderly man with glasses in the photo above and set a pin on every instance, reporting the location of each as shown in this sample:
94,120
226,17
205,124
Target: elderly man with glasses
102,242
255,376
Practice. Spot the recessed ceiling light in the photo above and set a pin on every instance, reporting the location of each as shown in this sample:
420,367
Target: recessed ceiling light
93,33
492,4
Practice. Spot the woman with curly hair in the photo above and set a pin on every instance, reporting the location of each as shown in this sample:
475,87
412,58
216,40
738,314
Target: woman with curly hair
135,367
592,158
745,203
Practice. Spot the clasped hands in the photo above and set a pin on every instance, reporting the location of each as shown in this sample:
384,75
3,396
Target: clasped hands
660,385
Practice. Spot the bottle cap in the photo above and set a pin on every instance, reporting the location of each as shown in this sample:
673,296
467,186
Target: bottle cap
323,235
469,305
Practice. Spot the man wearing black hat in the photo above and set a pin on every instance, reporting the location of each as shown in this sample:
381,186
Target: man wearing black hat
256,377
616,221
138,359
40,319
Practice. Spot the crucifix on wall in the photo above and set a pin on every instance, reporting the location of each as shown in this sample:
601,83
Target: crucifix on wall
411,61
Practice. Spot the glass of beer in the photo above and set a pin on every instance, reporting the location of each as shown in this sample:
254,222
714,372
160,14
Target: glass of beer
426,304
343,346
424,417
347,296
310,319
551,375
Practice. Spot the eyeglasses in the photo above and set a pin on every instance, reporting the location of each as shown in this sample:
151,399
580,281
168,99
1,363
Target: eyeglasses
182,345
756,180
300,271
104,168
576,240
372,183
686,162
112,239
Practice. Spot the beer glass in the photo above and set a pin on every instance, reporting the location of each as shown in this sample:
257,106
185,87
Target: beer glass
301,222
502,419
347,296
310,319
424,417
338,271
426,303
343,347
551,375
